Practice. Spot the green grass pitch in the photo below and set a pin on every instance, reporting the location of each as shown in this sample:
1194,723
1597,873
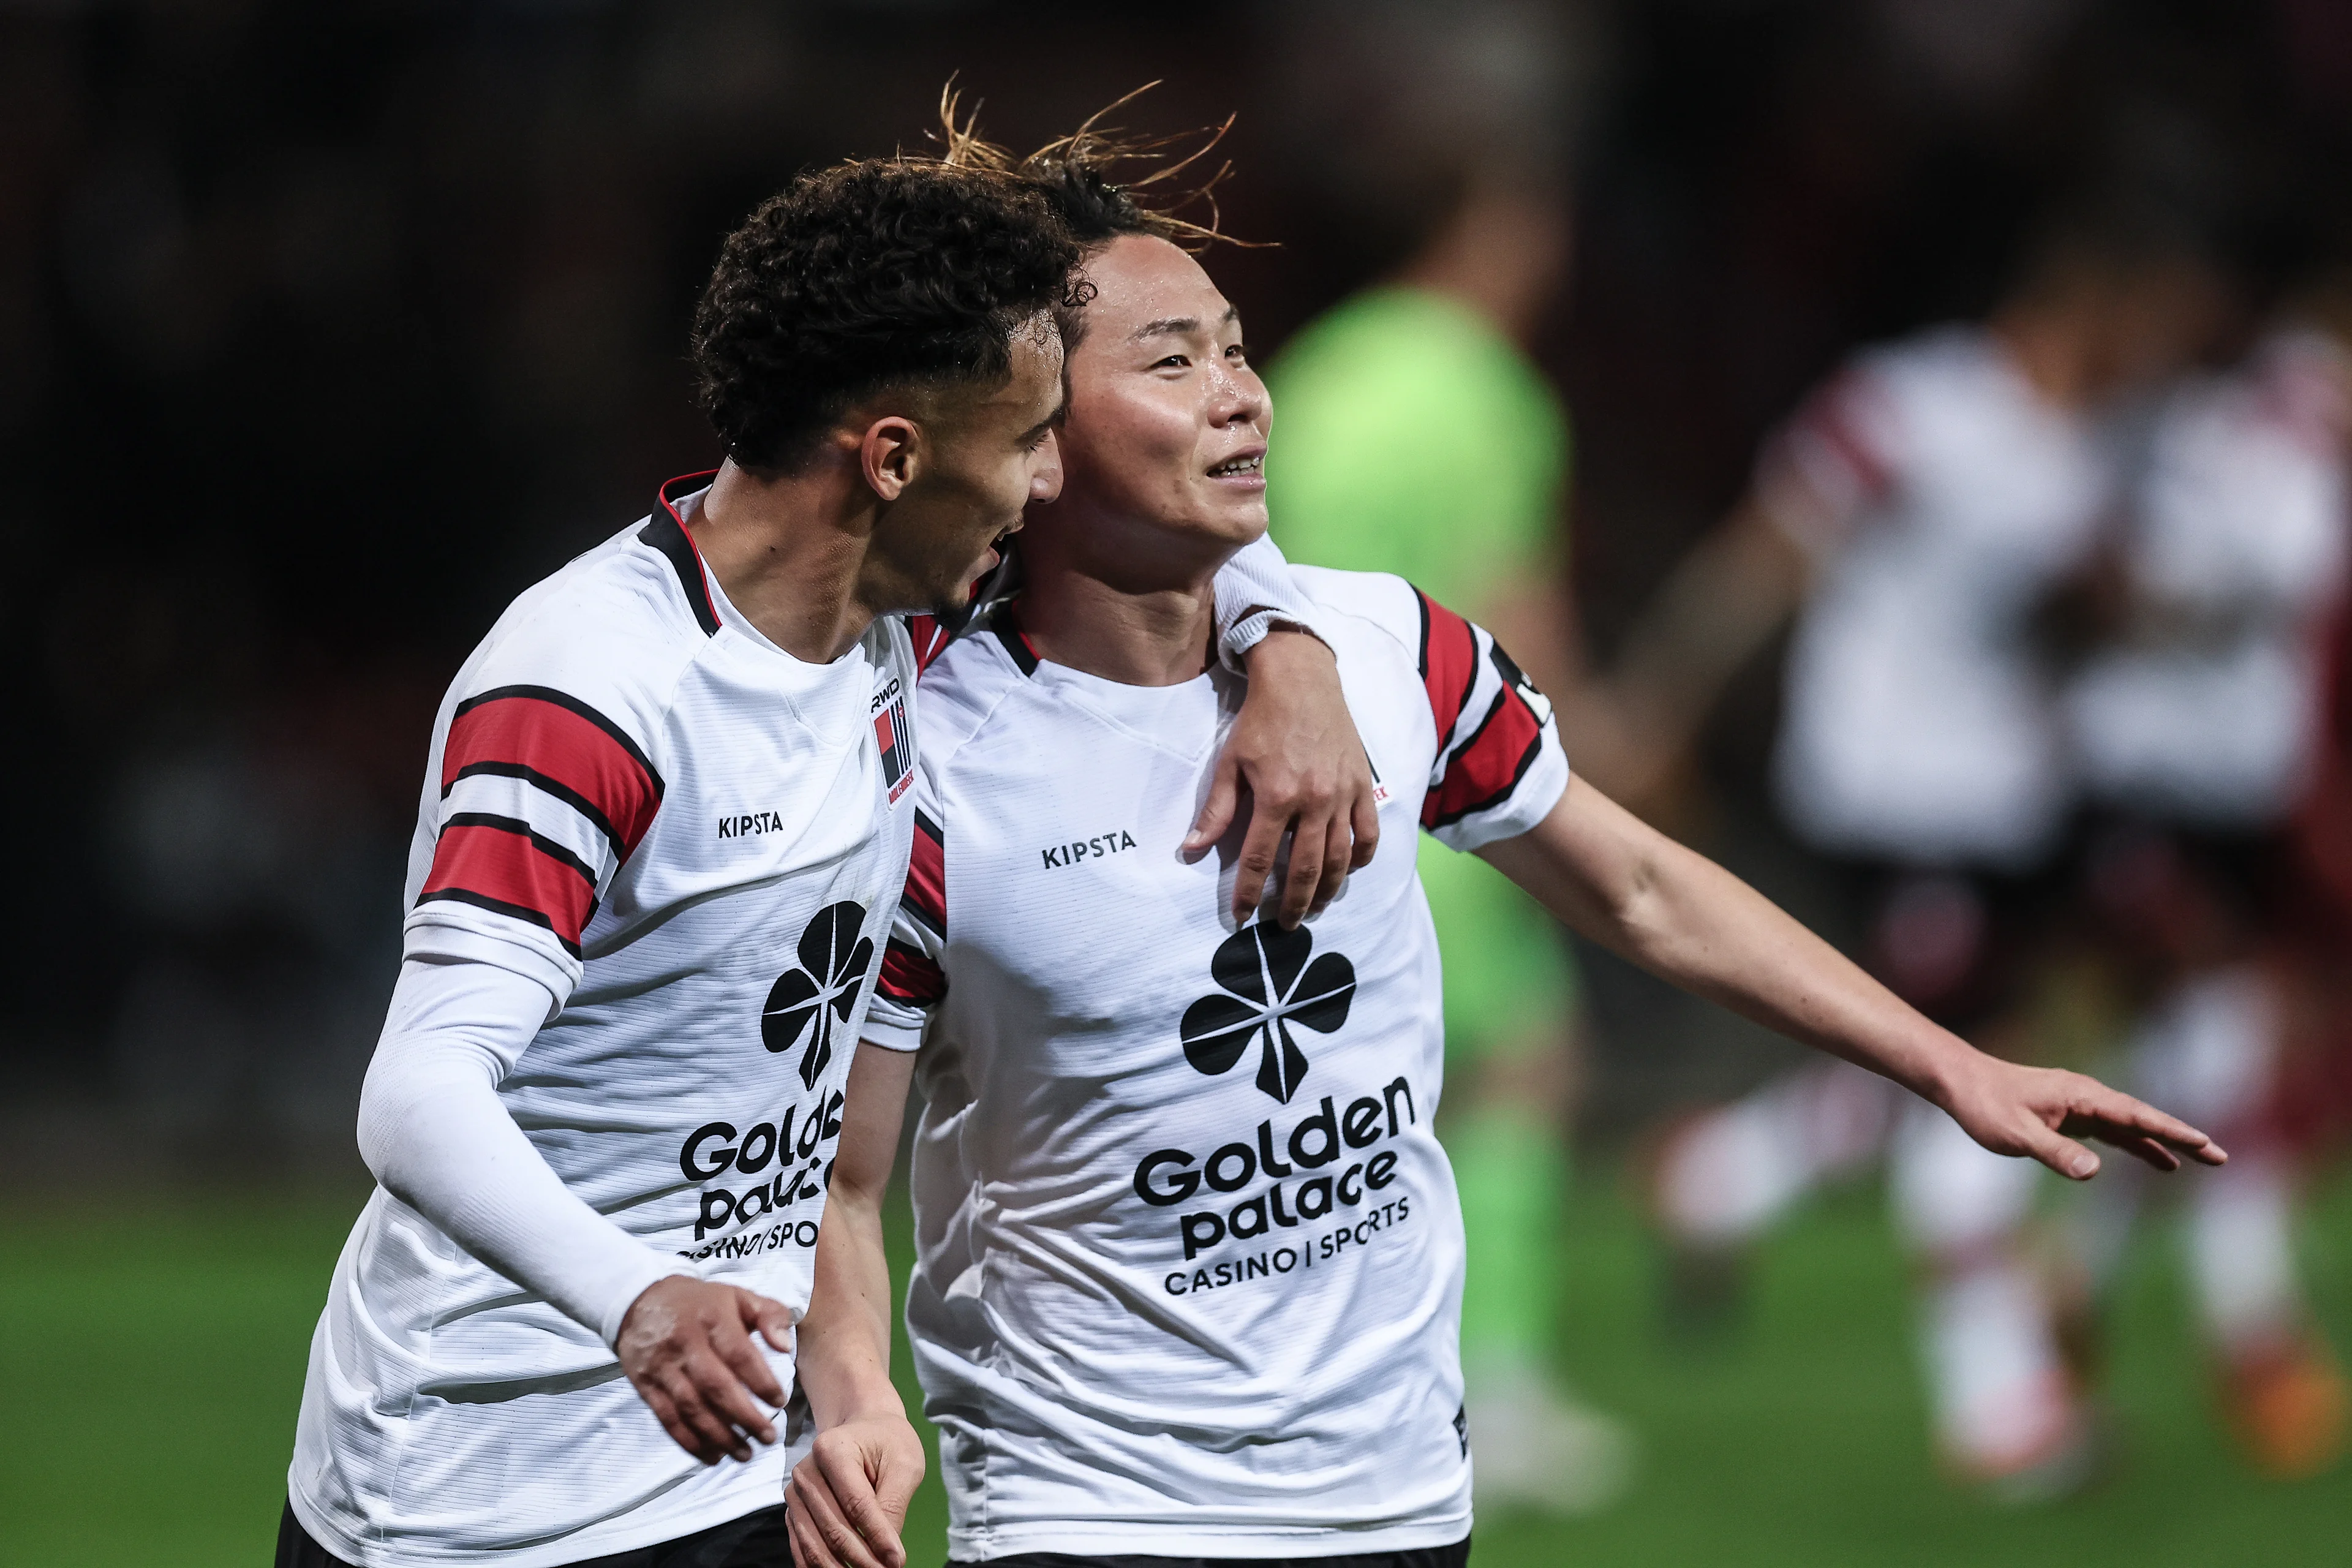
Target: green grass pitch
152,1353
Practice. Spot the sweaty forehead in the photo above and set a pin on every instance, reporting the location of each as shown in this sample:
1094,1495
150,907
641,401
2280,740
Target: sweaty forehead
1036,380
1143,283
1033,378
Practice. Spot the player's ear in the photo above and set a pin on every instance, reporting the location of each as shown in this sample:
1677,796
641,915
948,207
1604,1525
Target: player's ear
890,455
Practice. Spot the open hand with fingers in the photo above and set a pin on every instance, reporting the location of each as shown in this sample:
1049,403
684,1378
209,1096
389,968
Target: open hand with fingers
1294,748
686,1345
846,1502
2040,1111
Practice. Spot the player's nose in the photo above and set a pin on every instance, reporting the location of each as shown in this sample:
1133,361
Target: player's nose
1045,470
1237,399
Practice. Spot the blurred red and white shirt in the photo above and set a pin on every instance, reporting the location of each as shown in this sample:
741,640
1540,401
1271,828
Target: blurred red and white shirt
1940,498
1189,1255
2208,711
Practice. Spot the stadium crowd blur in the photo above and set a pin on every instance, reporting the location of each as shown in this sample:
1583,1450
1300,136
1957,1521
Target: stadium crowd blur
323,330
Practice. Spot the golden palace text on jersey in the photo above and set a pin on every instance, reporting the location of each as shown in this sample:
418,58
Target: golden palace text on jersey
1190,1259
697,843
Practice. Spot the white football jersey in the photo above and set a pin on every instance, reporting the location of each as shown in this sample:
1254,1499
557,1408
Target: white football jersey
1189,1256
2208,711
1917,727
695,842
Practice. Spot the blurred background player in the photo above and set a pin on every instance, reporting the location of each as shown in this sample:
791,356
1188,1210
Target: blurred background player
1420,438
1915,518
2197,731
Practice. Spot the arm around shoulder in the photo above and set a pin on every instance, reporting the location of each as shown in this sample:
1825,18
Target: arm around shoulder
1294,745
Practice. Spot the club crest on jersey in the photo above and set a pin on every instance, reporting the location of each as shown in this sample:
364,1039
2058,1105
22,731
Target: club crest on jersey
1265,984
893,739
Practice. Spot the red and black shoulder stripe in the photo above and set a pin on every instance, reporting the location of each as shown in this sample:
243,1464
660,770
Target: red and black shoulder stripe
909,976
569,754
1449,663
1486,768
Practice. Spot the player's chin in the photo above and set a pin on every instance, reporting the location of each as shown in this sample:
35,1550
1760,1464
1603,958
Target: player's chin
1234,520
950,598
968,581
1235,506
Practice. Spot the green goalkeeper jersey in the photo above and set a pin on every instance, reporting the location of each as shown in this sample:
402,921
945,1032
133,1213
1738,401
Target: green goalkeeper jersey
1416,439
1413,437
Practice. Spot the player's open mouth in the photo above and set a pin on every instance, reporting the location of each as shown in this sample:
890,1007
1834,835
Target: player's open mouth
1249,465
992,555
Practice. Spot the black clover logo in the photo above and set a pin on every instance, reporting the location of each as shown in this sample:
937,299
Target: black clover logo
1268,986
822,990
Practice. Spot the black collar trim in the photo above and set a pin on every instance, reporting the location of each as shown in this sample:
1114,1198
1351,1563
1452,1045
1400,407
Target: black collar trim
1007,632
666,533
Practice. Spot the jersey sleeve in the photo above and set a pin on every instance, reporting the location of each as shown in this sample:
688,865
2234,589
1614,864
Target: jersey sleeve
434,1131
1499,767
913,980
543,797
1254,590
1836,457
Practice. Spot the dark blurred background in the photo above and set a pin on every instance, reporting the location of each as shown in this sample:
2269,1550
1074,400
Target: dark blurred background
326,329
323,330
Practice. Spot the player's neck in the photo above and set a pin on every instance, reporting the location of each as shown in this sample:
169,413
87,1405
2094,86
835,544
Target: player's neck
1134,615
790,553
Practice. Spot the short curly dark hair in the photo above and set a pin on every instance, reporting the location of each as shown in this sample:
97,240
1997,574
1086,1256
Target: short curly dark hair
889,272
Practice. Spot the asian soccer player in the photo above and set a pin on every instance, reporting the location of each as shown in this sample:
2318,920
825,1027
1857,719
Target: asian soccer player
664,825
1190,1259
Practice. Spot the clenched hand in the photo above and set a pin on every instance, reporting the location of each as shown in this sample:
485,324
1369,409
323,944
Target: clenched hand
686,1346
846,1502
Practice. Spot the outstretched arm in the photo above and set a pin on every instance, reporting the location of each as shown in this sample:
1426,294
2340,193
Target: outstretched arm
847,1500
1688,920
1294,748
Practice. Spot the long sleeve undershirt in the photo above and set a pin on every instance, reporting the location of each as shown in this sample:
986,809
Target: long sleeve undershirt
435,1132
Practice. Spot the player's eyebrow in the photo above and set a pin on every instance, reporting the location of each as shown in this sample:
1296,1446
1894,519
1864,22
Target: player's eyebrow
1182,324
1053,421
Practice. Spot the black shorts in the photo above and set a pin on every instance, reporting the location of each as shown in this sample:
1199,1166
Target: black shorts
1960,946
1453,1556
754,1541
